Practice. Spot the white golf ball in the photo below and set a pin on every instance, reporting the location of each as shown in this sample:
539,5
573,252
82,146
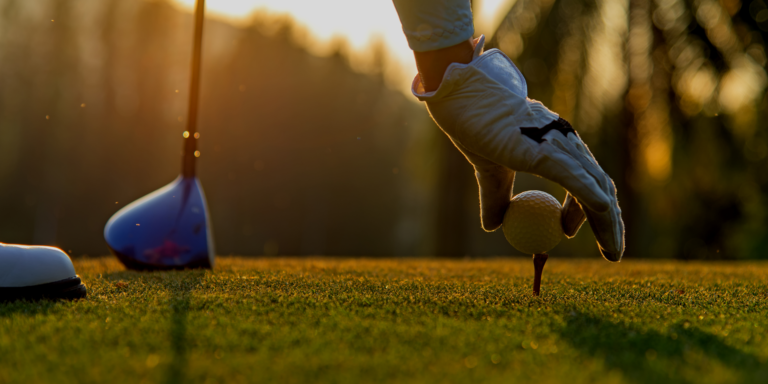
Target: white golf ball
532,222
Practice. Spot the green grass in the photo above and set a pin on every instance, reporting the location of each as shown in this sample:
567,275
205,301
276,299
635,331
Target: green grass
405,321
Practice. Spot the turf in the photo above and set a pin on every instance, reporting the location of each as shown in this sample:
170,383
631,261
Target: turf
406,321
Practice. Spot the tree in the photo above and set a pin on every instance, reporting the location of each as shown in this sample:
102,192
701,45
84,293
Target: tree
671,96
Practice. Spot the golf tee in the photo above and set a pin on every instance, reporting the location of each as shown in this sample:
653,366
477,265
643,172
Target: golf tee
538,266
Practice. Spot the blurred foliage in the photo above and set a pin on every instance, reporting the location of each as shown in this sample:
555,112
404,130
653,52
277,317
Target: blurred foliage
303,155
300,155
671,97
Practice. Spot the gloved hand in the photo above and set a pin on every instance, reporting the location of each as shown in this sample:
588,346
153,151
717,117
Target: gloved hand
483,108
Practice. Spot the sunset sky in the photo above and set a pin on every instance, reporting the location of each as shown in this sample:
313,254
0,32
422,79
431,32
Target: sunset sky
357,21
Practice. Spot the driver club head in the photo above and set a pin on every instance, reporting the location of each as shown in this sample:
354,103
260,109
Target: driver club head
167,229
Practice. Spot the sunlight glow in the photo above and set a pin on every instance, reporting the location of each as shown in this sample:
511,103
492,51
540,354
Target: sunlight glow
605,78
362,23
524,17
359,23
656,139
489,14
647,99
742,85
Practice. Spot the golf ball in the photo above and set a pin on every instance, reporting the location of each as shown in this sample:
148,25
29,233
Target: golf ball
532,222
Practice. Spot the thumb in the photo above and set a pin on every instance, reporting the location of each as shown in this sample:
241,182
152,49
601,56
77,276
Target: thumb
572,216
495,184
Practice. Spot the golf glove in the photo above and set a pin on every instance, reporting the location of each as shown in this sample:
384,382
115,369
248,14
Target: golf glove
483,108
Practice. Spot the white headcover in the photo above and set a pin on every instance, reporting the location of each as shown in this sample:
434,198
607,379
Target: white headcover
23,266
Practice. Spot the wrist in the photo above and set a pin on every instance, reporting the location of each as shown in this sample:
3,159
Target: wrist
433,64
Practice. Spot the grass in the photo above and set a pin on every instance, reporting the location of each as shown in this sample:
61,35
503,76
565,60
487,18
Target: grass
406,321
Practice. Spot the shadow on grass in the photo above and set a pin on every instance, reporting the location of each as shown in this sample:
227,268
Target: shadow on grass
178,327
178,333
182,284
652,357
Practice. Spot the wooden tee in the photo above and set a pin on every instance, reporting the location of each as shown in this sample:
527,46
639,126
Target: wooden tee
538,266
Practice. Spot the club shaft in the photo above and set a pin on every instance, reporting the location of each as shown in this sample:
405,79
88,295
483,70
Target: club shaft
190,142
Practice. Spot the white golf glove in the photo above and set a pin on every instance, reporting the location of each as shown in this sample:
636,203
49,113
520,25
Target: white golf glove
483,108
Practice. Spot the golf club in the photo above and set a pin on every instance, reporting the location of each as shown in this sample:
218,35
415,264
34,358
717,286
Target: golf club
169,228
